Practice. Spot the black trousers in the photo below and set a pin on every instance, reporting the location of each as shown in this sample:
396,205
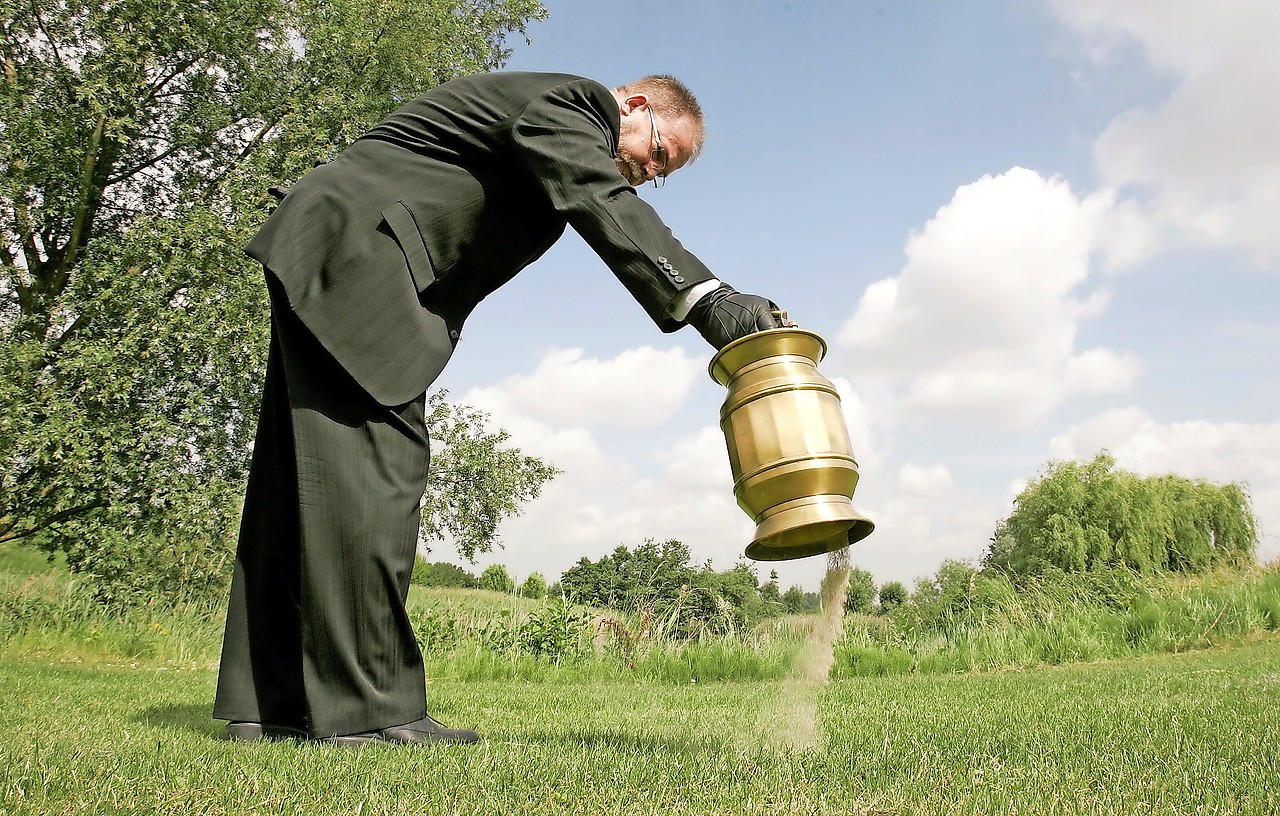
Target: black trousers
317,637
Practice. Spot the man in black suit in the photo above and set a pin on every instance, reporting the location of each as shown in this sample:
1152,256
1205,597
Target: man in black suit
373,262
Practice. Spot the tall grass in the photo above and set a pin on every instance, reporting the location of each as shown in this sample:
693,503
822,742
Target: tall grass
50,614
477,635
464,634
1000,624
991,623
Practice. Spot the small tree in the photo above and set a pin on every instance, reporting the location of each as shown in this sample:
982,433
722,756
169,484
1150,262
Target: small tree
535,586
893,594
496,579
862,592
794,600
420,569
444,574
475,480
770,593
944,599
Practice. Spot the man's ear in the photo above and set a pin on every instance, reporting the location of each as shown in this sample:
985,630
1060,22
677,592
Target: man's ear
632,103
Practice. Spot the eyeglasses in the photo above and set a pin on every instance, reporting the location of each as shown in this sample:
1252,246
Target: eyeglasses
659,152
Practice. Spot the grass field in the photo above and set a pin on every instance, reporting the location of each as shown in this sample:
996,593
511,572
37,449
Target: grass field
1195,733
109,713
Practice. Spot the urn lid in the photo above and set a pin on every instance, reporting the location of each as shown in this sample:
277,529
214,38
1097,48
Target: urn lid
760,345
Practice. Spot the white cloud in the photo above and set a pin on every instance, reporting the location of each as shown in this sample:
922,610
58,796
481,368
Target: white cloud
593,507
870,430
1215,451
640,388
924,522
603,499
981,324
1209,156
921,480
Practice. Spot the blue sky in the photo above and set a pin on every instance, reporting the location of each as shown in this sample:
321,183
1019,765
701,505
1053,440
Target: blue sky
1028,230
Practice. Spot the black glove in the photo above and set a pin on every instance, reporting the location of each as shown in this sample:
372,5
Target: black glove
726,314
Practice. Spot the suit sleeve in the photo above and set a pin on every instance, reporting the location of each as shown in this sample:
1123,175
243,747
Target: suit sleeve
567,139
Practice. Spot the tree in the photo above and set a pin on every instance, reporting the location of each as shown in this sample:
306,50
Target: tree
658,580
495,578
770,592
535,586
139,138
628,580
1082,516
893,594
861,595
795,601
444,574
474,481
947,597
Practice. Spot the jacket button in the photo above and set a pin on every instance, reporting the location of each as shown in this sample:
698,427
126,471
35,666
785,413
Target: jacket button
454,334
661,259
678,279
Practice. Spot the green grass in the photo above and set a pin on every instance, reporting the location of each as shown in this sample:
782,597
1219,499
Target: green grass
109,712
1196,733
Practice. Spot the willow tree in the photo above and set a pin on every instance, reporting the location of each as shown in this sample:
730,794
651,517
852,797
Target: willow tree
137,142
1081,516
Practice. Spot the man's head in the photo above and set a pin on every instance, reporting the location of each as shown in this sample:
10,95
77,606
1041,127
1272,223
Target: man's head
662,128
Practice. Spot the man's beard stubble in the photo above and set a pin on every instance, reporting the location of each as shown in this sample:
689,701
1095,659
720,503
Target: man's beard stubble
630,170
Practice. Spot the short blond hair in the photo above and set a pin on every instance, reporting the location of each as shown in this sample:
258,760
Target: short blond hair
672,98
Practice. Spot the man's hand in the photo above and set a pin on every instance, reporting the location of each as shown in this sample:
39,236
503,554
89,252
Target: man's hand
726,314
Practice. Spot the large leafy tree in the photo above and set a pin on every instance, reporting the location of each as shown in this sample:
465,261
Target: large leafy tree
1081,516
137,141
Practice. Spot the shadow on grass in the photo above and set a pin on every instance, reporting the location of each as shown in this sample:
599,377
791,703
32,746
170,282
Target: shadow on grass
623,741
194,718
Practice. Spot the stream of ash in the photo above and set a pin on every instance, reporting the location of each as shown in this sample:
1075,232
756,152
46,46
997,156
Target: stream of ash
792,723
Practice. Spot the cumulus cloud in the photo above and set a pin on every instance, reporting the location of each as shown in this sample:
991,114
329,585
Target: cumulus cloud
1208,158
924,480
565,411
1215,451
981,324
870,431
640,388
596,505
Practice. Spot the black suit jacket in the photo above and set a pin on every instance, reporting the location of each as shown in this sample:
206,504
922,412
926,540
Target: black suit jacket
384,251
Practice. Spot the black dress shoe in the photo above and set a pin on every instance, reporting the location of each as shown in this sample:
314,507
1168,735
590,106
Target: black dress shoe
240,731
420,731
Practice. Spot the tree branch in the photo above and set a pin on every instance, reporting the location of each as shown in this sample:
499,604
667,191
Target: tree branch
129,172
257,139
9,535
62,273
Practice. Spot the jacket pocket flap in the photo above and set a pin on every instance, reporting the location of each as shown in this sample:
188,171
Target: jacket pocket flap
407,235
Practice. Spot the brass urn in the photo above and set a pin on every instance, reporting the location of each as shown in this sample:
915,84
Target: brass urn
789,449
